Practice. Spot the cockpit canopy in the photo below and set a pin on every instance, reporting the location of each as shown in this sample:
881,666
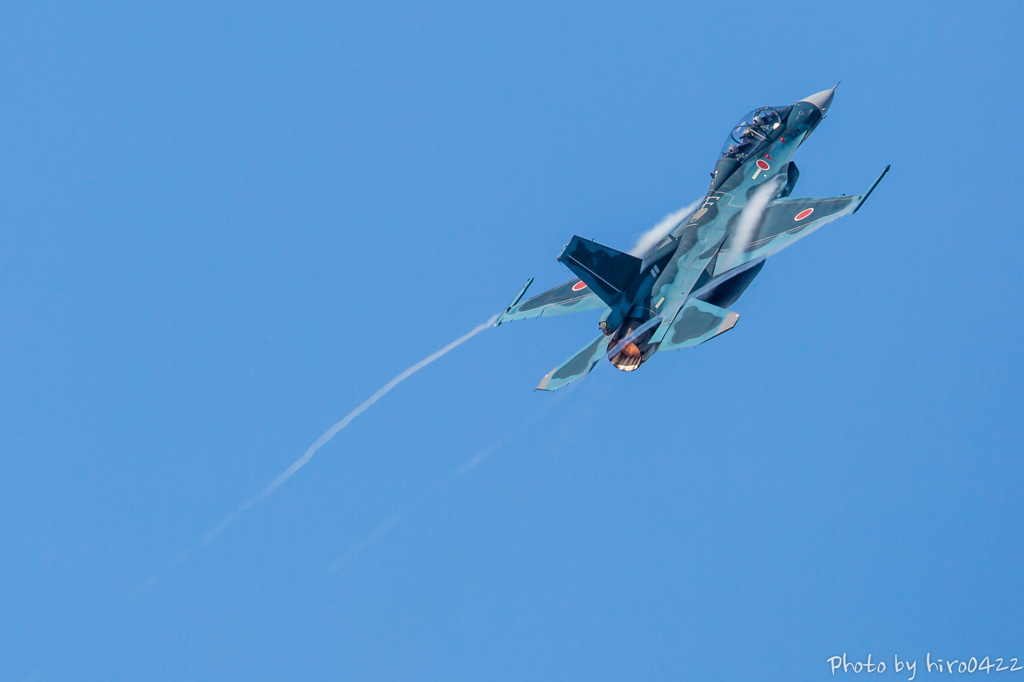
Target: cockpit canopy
750,132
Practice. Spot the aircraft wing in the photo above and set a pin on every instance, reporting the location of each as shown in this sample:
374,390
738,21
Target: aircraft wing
572,297
783,222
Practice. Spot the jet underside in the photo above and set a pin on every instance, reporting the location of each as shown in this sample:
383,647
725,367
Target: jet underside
677,295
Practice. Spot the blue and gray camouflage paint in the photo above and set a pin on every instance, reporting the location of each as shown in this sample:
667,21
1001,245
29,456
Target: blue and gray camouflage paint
677,295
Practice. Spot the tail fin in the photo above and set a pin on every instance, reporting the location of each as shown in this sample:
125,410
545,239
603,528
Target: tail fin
606,271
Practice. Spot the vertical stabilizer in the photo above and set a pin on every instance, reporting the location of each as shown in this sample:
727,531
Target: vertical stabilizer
606,271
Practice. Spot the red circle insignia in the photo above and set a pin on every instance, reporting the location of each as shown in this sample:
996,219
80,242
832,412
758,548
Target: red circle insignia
804,213
579,285
762,164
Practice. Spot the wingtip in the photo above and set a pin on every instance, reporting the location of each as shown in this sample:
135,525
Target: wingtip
729,322
543,385
519,296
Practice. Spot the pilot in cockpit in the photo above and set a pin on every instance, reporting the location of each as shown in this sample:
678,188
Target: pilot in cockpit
752,130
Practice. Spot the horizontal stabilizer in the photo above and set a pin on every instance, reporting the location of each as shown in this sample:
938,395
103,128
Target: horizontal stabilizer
605,271
576,367
696,323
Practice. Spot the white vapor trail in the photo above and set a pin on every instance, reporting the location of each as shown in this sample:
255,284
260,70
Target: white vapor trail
330,433
320,442
649,239
384,527
749,219
388,523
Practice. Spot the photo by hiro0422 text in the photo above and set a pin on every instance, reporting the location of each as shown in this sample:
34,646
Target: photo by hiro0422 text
974,664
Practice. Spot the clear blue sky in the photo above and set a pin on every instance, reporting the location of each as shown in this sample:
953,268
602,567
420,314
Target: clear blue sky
225,225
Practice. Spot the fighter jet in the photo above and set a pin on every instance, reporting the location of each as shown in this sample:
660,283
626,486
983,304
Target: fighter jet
678,294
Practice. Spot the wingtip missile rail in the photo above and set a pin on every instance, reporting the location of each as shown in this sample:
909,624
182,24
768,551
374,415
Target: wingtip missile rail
873,186
515,300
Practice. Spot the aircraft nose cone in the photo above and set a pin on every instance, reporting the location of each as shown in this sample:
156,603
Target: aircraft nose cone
823,99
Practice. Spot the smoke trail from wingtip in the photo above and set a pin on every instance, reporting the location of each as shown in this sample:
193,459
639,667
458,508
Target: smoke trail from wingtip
649,239
331,432
308,455
388,523
749,219
384,527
